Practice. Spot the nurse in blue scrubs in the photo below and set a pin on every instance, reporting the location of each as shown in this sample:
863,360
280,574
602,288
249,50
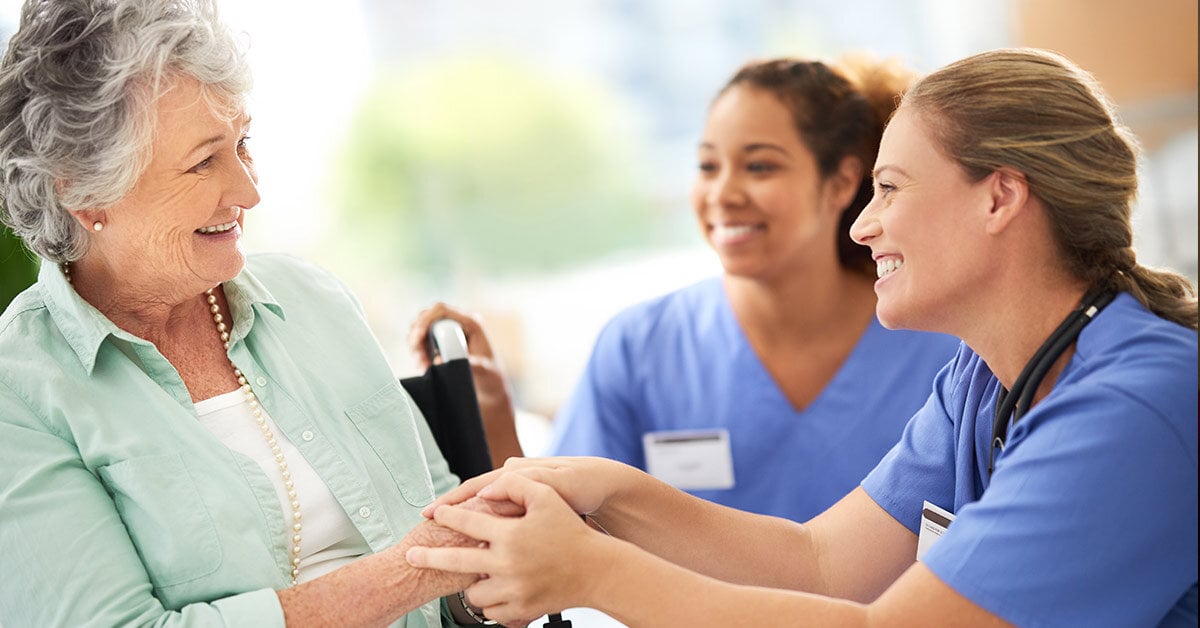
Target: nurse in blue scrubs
772,388
1050,479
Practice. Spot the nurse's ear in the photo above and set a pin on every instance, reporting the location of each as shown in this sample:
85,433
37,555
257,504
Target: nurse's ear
842,186
1009,191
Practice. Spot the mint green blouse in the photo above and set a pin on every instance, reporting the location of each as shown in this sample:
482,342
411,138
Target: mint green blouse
117,507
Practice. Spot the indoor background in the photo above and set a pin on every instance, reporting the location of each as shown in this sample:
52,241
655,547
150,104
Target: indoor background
530,160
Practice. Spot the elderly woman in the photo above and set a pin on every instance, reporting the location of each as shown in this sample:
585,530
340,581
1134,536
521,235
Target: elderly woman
187,435
1049,480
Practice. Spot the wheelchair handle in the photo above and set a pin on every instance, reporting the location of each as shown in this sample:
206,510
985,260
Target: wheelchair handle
446,338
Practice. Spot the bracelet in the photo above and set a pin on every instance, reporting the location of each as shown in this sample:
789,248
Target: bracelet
478,616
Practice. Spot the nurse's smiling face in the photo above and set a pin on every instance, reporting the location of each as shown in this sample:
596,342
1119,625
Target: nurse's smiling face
759,196
925,230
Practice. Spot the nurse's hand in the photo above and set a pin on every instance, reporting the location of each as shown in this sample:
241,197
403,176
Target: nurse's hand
490,380
491,385
539,563
585,483
440,536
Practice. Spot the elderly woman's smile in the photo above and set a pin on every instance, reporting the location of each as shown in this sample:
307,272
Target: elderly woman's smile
162,393
185,212
218,229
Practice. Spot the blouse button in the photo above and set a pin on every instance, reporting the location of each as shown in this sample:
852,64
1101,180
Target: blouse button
364,512
261,381
307,435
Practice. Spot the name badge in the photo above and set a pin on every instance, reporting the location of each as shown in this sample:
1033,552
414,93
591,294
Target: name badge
934,523
690,459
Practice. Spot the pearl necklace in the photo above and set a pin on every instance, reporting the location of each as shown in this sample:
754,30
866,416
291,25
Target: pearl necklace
263,426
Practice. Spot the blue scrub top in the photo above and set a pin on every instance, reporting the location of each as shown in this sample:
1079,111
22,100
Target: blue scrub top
682,362
1090,518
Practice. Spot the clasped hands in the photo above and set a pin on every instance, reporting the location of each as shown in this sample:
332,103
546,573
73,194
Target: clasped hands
531,564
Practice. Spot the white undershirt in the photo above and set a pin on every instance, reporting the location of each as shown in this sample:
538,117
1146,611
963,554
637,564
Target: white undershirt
328,538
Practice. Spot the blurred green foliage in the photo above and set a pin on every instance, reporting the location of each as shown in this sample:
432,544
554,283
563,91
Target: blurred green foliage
484,164
18,267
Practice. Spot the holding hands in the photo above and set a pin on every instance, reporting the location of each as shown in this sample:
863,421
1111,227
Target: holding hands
585,483
531,565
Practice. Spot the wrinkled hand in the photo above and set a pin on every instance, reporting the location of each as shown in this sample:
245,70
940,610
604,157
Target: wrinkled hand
491,385
440,536
585,483
533,564
430,534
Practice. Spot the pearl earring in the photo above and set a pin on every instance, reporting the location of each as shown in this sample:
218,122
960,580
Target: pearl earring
97,226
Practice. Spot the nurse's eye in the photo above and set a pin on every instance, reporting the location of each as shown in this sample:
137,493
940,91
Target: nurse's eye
883,189
708,167
761,167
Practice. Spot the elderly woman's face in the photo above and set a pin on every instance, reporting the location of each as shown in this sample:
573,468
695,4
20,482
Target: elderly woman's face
180,227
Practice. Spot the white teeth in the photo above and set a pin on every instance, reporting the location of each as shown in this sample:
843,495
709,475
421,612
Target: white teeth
218,228
726,233
888,266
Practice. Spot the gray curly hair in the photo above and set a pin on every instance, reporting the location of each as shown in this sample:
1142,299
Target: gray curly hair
77,91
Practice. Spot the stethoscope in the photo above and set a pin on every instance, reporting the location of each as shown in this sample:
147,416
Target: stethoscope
1012,405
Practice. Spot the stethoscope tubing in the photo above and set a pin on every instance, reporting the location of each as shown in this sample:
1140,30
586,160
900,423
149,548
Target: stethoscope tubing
1012,405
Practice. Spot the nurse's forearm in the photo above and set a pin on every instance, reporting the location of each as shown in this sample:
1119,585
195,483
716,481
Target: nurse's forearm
642,590
500,427
724,543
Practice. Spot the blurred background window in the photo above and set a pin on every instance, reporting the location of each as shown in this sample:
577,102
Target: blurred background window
531,160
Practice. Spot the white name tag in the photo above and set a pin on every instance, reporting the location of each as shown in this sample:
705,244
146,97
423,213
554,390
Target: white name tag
934,523
690,459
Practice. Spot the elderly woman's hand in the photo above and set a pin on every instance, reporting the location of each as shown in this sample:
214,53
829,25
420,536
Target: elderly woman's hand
439,536
491,386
